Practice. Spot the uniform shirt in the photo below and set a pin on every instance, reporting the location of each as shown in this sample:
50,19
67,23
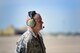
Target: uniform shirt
32,43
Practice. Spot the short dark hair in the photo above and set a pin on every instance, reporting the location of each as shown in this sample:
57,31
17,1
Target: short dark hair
31,14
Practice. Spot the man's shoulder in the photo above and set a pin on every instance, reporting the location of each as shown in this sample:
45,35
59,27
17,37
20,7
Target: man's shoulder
27,35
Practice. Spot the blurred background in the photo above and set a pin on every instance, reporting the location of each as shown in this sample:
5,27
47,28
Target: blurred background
61,20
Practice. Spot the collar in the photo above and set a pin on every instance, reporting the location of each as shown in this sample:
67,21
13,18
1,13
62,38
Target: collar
30,29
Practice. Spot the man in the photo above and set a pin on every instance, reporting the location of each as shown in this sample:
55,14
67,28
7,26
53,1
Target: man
31,41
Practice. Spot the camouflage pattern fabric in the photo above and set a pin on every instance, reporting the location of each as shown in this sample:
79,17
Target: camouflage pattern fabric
30,43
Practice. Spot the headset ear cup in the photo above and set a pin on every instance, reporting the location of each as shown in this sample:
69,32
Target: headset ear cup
31,22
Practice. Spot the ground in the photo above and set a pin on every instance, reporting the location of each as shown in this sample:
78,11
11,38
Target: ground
54,44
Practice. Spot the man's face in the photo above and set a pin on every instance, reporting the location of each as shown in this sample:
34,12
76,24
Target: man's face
38,21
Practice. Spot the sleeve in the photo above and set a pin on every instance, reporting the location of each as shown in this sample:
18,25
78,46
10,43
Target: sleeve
26,41
19,44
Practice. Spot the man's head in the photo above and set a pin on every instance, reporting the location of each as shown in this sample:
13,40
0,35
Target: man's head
38,21
35,21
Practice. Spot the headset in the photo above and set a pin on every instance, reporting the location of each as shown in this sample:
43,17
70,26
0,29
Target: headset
31,22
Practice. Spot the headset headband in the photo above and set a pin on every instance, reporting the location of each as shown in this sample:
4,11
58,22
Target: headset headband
31,14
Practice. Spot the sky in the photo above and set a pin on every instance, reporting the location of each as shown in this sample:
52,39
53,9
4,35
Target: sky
57,15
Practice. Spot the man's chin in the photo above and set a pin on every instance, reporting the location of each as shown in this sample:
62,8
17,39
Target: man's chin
41,27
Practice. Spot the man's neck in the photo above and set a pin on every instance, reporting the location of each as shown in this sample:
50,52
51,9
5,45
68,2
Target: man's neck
34,30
